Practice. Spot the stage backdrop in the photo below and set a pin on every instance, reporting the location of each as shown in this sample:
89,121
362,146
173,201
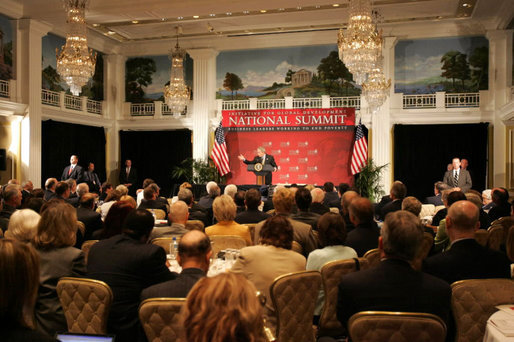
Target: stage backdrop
310,146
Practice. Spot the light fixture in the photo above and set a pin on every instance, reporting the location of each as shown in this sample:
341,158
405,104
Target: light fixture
196,16
135,21
376,88
360,44
263,11
75,62
335,5
176,94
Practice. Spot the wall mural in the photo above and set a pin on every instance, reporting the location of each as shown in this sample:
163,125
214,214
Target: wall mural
455,65
146,76
6,35
307,71
51,80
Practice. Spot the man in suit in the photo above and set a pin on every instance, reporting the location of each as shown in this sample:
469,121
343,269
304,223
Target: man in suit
74,198
393,285
331,195
366,232
303,201
12,200
62,191
346,200
438,190
252,214
92,179
194,253
178,216
196,212
73,170
457,178
128,264
317,205
128,177
264,159
150,200
87,215
26,192
466,259
50,185
397,194
341,189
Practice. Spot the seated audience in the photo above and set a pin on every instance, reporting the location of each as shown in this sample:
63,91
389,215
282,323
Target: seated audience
73,198
239,200
54,240
500,197
105,190
438,190
87,215
252,214
303,201
23,225
113,223
441,241
397,194
35,204
111,198
364,236
213,191
128,264
19,270
38,193
223,308
441,214
483,217
12,200
50,188
273,257
341,189
224,210
130,200
194,254
122,189
150,200
317,205
487,200
82,189
413,205
231,190
346,199
332,236
140,192
178,216
62,191
196,212
330,194
466,259
393,285
26,191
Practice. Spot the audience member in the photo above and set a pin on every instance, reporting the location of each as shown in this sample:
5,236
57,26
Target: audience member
341,189
38,193
140,192
62,191
26,192
331,194
87,215
303,200
50,188
252,214
483,217
438,189
150,200
113,223
105,190
35,203
130,200
113,197
239,200
500,197
12,200
364,236
413,205
448,201
23,225
128,265
213,191
82,189
346,200
178,216
122,189
317,205
224,210
487,200
196,212
231,190
397,194
73,198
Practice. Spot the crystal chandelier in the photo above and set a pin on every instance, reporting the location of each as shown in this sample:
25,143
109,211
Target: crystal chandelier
75,62
177,94
376,88
360,45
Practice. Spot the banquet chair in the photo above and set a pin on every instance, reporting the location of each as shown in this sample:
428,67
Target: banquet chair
165,242
294,298
474,301
427,210
251,228
160,318
296,247
334,210
373,256
481,236
82,227
159,213
86,304
221,242
496,237
510,244
1,233
439,207
195,225
86,246
380,326
424,249
331,274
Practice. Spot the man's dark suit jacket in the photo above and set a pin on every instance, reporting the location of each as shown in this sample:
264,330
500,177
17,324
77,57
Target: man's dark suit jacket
392,285
390,207
268,160
131,178
378,207
199,213
464,182
48,195
77,173
441,214
363,238
435,200
91,219
251,216
25,196
177,288
331,197
319,208
128,266
5,216
92,179
467,259
153,204
502,210
307,217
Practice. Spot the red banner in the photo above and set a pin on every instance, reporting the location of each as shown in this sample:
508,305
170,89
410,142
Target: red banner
310,146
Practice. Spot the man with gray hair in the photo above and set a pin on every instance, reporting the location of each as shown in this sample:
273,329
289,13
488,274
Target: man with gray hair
438,190
196,212
11,201
50,185
178,216
317,205
393,285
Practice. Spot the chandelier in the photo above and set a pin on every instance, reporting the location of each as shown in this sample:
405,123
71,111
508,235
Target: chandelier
75,62
376,88
177,94
360,45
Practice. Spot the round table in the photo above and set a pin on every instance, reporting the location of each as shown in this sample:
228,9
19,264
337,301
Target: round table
492,334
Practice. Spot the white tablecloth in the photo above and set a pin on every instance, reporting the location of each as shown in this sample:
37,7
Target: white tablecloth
492,334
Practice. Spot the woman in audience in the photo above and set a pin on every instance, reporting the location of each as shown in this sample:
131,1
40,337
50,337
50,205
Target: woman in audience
111,198
129,200
23,225
224,308
332,235
35,204
122,189
19,270
113,224
224,210
56,234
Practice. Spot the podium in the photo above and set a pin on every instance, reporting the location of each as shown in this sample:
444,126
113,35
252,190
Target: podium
260,172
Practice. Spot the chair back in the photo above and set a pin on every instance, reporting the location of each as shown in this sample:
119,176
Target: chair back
331,274
481,236
296,247
1,233
474,301
379,326
82,227
496,237
294,297
334,210
439,207
86,246
221,242
160,318
251,228
271,212
510,244
164,242
427,210
195,225
86,304
373,256
159,213
424,249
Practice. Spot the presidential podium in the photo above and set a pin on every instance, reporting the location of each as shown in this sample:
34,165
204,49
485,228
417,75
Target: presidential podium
260,172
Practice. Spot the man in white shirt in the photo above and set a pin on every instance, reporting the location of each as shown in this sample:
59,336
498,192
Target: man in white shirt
458,179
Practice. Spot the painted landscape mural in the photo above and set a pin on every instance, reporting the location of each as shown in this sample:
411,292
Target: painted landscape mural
51,80
455,65
307,71
6,71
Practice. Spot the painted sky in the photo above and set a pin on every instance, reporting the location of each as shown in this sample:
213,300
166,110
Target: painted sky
419,59
263,67
5,26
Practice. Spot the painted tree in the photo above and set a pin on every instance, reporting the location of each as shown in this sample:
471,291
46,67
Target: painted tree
455,66
232,83
139,73
51,79
289,76
333,70
479,61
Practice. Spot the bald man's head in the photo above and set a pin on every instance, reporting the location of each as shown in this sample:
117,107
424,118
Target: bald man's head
179,212
462,219
194,250
347,198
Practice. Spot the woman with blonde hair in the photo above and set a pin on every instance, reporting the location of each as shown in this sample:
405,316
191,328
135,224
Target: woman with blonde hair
54,240
224,308
23,225
225,211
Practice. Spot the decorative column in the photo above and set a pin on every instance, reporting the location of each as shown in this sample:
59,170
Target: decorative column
381,151
28,52
204,97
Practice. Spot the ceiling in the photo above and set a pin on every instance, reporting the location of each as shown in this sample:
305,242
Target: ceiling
153,20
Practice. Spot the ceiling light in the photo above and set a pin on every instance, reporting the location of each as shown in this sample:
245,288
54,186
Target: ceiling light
96,25
299,8
263,11
196,16
246,12
111,32
281,9
177,94
229,13
466,5
335,5
180,18
212,15
163,19
135,21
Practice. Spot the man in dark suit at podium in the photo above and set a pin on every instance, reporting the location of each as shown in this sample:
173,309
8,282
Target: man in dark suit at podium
264,159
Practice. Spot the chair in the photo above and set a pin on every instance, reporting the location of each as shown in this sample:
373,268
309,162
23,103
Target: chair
496,237
251,228
165,242
331,274
159,213
271,212
221,242
439,207
195,225
86,246
334,210
296,247
379,326
82,227
482,236
424,249
294,297
160,318
373,256
86,304
510,243
474,301
427,210
1,233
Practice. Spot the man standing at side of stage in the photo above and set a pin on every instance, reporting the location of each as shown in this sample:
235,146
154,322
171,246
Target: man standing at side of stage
263,158
128,177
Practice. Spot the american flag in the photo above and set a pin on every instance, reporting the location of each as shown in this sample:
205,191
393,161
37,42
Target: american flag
219,151
360,151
